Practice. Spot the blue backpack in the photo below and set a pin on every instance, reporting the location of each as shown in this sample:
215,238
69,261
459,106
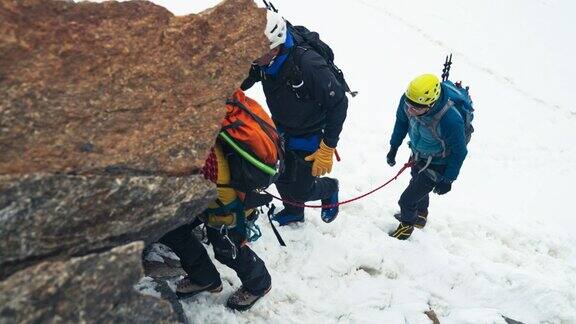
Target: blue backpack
461,100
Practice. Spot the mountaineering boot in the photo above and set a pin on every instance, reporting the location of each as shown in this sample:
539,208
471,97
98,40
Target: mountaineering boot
329,214
242,299
186,288
403,231
162,270
285,217
420,221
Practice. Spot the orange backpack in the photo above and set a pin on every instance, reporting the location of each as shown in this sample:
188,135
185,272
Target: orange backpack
253,147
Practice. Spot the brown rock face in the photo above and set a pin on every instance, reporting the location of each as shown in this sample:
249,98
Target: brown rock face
87,86
107,111
46,216
90,289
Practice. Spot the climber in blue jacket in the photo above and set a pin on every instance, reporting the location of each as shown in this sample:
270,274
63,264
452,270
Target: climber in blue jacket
430,113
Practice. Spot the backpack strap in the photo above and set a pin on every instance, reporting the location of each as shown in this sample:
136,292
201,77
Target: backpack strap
323,50
220,203
295,79
262,123
235,124
233,206
297,53
296,72
433,125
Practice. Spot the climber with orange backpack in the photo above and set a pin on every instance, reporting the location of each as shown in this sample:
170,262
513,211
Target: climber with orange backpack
246,157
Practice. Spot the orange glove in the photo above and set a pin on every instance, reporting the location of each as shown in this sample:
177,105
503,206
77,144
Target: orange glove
322,160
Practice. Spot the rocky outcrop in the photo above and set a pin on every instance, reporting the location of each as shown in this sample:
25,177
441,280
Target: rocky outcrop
87,289
107,111
45,216
124,85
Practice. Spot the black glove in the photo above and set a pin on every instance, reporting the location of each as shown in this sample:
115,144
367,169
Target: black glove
443,187
254,75
391,156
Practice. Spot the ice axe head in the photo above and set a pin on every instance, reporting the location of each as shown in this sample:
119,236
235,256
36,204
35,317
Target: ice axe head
270,6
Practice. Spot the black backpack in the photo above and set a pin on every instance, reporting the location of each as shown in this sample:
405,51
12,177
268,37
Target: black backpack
312,40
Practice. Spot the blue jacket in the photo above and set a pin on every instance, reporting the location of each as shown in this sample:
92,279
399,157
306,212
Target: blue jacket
425,144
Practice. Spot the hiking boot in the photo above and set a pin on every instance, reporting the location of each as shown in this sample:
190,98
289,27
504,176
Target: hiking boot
242,299
284,218
162,270
329,214
420,221
186,288
403,231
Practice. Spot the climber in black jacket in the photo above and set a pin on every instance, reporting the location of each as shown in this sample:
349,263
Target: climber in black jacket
308,105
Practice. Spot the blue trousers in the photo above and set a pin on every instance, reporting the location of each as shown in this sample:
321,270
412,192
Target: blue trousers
416,197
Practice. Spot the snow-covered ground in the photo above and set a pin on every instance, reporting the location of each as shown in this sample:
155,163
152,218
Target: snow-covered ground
502,242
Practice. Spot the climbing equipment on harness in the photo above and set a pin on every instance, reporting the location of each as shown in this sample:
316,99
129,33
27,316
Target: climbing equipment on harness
224,233
253,232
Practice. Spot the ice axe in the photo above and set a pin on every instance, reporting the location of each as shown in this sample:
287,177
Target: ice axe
446,69
270,6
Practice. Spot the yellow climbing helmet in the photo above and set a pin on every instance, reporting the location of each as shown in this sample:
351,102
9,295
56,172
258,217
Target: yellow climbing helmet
424,90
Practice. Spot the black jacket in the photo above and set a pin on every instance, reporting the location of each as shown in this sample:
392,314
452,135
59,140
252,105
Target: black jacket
305,98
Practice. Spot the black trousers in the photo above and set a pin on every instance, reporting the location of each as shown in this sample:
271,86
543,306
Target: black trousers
299,185
197,264
416,197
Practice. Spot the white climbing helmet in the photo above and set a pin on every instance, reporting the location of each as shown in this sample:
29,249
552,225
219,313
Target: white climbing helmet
276,29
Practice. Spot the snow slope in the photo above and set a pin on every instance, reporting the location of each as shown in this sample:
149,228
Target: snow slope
501,242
